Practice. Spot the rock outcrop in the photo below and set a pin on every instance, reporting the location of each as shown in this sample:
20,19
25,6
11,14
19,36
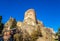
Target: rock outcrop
11,23
50,34
31,29
19,25
30,17
34,28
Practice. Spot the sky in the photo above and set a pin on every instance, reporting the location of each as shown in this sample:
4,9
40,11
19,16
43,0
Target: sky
47,11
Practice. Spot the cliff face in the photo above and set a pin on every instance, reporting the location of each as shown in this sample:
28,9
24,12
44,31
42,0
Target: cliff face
31,28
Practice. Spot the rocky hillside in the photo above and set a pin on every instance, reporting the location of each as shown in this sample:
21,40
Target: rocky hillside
31,29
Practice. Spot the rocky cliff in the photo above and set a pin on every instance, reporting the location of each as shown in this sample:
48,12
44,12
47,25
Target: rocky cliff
31,29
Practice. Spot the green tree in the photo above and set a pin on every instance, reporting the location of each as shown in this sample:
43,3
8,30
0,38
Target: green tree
1,25
58,34
0,19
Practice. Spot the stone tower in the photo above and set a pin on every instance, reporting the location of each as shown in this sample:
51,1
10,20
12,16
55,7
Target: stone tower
30,17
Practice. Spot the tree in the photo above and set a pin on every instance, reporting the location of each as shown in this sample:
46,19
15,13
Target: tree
0,19
58,34
1,25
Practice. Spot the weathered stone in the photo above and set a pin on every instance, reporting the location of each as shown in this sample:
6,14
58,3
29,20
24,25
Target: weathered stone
17,37
31,29
11,23
19,25
50,34
34,29
40,23
30,17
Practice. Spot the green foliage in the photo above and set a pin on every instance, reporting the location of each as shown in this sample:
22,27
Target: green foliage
58,33
0,17
56,40
1,24
11,27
